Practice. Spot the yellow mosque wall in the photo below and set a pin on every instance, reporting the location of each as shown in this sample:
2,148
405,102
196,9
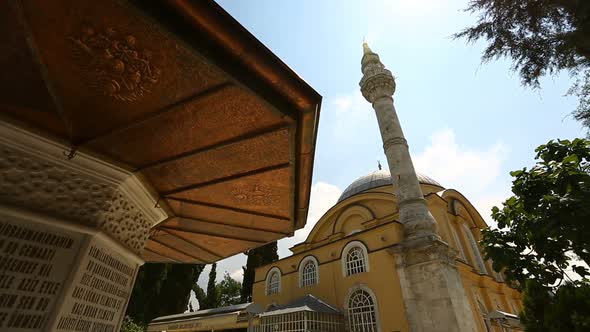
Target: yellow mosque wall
371,219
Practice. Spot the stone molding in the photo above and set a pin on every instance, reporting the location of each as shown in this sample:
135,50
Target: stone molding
377,84
424,250
36,174
394,141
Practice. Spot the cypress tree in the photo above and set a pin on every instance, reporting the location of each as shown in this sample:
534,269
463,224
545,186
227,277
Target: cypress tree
256,257
212,299
200,295
162,289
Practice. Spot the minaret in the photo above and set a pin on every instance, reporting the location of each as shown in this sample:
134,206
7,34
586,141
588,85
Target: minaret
378,86
432,288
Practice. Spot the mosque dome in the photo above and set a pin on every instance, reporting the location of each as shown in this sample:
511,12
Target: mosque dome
377,179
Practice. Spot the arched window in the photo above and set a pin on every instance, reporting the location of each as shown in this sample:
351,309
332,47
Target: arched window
355,259
273,281
475,250
458,242
361,312
308,272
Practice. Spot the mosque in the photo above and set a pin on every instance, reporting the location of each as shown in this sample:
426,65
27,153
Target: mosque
395,253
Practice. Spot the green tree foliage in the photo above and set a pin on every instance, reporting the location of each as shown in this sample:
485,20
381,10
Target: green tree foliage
543,237
229,291
256,257
568,309
225,293
541,37
129,325
212,298
162,289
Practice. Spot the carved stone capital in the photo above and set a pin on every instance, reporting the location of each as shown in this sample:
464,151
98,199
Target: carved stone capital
375,85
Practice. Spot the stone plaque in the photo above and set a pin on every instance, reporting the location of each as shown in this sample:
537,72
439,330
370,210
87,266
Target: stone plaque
97,299
35,262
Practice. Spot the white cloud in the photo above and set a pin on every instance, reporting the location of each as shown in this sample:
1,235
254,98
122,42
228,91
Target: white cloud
343,103
486,202
323,197
354,104
474,172
237,275
347,113
459,166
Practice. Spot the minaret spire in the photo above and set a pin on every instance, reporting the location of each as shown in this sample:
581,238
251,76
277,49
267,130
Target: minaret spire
432,287
378,86
366,48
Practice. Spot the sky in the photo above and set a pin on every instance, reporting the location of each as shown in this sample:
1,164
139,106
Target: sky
468,124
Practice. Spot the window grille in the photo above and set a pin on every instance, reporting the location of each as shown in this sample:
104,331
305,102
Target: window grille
309,275
356,262
301,321
361,312
274,283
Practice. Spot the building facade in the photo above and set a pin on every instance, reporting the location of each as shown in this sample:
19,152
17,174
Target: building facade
345,275
348,260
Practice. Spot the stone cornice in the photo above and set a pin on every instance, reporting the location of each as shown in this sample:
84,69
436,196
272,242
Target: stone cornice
37,174
425,250
42,148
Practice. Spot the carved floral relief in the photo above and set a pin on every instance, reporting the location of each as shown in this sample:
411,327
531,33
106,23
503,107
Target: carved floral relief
113,64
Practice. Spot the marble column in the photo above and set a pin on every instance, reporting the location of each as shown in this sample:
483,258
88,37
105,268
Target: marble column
71,235
431,285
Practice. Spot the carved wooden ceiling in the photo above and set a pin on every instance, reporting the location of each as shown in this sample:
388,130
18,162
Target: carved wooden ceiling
180,93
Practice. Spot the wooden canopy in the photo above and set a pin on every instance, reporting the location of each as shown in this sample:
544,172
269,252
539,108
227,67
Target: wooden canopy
181,94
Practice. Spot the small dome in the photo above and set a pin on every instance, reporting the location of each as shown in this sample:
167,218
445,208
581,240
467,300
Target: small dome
377,179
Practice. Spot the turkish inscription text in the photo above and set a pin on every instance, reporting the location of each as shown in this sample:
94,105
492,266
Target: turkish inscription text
29,279
99,296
